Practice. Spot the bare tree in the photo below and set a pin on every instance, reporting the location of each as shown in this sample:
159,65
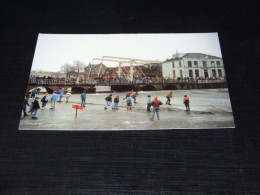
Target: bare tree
67,69
79,67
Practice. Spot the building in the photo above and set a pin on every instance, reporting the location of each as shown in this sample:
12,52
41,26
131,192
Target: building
43,73
193,65
138,71
95,70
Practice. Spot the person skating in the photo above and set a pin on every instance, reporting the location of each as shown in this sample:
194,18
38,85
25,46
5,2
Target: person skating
127,94
129,103
186,101
116,101
83,99
148,101
156,103
33,93
44,100
135,94
68,94
25,103
54,97
169,96
108,101
61,94
35,107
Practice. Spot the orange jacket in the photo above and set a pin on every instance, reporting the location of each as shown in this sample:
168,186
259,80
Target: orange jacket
185,98
169,95
129,93
156,103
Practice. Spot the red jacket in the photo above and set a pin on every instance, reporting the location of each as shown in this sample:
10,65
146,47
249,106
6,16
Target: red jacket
169,95
185,98
156,103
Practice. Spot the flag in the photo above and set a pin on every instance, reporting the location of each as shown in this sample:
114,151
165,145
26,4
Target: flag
206,57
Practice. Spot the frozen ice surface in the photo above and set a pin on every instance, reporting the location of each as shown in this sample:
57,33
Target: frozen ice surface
210,108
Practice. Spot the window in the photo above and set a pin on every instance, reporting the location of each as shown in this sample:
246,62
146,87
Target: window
219,73
218,63
195,63
189,64
197,73
180,64
181,73
206,74
172,64
190,73
204,63
173,74
214,73
212,63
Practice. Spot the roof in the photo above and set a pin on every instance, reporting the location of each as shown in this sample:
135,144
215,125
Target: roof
199,55
192,55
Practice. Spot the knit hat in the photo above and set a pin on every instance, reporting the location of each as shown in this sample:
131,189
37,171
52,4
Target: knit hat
155,98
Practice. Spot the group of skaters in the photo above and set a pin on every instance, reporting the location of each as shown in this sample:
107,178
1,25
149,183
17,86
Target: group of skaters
33,102
150,103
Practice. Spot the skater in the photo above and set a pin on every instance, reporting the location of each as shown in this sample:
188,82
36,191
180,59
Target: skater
35,107
134,96
116,101
129,103
68,94
169,96
186,101
156,103
54,97
25,103
127,94
61,94
83,99
108,101
44,100
148,101
33,93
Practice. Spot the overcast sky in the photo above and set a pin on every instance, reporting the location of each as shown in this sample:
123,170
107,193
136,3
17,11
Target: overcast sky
54,50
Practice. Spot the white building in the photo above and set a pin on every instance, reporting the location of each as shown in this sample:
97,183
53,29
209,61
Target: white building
193,65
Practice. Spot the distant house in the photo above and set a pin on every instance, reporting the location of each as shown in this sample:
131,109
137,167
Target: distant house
155,68
46,74
94,70
193,65
138,71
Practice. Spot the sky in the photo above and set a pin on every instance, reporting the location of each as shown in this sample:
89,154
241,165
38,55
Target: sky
54,50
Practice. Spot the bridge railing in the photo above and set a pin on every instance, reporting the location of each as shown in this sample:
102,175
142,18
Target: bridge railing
63,82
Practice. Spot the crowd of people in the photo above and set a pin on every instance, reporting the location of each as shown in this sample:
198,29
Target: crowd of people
131,97
117,80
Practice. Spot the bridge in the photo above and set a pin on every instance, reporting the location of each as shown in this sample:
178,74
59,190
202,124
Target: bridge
126,86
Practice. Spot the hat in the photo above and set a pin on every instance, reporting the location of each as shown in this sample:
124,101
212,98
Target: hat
46,94
155,98
148,96
36,98
185,95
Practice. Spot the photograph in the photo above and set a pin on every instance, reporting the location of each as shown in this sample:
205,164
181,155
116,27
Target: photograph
127,82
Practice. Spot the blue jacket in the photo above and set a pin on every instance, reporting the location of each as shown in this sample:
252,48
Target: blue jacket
83,96
129,100
54,96
148,101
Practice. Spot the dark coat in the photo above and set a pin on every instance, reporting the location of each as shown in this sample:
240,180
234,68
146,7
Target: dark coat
109,98
36,105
